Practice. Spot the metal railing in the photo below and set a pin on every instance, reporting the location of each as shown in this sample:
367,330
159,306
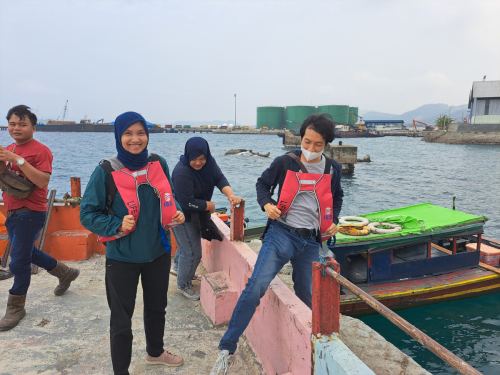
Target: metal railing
326,312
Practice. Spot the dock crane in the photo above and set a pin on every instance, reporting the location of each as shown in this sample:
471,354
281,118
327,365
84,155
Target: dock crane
427,126
65,111
358,124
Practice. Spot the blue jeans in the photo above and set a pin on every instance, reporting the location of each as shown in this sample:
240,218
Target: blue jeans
188,253
280,245
23,230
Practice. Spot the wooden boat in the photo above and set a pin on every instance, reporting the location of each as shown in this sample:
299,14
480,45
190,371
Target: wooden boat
426,263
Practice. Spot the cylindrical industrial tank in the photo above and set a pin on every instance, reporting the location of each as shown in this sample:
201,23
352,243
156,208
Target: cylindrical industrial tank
272,117
353,115
340,113
295,115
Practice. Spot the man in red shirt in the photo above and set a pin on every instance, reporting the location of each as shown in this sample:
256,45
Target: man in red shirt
31,160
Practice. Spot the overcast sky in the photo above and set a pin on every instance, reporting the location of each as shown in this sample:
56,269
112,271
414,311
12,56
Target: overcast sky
185,60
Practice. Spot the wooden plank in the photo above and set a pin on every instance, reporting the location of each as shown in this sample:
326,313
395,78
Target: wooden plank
482,265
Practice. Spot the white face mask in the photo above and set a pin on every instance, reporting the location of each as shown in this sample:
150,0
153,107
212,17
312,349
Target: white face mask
310,155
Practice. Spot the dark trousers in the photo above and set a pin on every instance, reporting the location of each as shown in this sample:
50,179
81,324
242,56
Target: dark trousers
23,230
121,288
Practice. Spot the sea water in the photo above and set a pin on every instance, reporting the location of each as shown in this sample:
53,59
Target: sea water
404,171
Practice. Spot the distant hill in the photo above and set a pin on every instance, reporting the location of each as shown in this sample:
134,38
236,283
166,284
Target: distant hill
427,113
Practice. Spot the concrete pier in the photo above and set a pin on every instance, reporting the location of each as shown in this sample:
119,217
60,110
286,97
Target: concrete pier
485,134
280,331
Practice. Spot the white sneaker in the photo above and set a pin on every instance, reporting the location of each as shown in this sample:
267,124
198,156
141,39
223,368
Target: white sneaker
222,364
189,293
173,271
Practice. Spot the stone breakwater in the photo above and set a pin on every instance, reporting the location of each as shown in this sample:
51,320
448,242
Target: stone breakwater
487,134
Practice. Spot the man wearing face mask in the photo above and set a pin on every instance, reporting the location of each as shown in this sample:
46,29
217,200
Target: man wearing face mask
307,211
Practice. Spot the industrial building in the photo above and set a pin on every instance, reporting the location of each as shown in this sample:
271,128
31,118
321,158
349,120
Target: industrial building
292,117
484,102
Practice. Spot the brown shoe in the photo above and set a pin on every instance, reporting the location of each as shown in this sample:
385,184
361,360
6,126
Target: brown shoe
166,359
15,312
65,275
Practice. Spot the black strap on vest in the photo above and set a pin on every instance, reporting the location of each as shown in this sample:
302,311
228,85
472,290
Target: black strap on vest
111,190
286,164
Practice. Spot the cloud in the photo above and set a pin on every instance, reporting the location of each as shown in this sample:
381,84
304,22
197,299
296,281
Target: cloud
30,86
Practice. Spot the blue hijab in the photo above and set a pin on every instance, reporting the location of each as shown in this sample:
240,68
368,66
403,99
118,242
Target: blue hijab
195,147
129,160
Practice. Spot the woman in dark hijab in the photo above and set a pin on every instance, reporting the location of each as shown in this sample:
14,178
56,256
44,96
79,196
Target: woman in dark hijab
195,176
137,247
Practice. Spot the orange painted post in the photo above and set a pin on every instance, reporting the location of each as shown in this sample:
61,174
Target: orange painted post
76,187
429,249
325,300
237,230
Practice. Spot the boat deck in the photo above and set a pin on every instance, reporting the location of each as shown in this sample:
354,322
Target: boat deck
426,290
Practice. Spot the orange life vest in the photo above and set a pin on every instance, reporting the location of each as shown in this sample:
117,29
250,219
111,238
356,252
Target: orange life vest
128,182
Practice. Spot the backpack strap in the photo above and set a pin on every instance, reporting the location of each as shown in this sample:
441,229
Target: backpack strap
111,190
303,168
328,165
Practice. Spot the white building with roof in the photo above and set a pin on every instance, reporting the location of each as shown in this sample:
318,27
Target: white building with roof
484,102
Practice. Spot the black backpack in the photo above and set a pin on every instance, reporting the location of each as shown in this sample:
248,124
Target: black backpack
111,191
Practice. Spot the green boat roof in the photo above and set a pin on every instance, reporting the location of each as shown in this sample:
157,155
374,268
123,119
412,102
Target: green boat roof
423,218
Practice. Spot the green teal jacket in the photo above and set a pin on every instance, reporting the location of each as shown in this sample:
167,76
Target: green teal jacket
144,243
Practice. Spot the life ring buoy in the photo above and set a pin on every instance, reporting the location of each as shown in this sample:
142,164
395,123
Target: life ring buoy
354,229
394,228
358,220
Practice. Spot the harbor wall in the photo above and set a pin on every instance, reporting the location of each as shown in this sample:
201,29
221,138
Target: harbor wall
487,134
280,331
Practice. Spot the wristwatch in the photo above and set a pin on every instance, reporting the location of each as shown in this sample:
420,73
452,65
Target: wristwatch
20,162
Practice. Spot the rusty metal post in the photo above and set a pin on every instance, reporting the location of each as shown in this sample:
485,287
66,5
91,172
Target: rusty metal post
325,300
237,230
76,187
479,239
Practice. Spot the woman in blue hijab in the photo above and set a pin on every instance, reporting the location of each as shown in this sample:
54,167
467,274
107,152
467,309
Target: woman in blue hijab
195,176
143,253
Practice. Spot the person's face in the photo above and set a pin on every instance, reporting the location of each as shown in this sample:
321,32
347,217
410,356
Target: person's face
313,141
21,129
134,138
199,162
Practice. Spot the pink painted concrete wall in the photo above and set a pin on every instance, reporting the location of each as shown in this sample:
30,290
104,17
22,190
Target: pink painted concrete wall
280,331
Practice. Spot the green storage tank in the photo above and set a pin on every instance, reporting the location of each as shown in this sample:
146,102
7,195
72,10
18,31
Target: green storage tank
295,115
272,117
340,113
353,115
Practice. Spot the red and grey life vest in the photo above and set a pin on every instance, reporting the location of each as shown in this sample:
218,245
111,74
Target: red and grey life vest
128,182
319,185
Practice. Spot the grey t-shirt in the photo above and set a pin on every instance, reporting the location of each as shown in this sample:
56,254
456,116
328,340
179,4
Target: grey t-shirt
304,211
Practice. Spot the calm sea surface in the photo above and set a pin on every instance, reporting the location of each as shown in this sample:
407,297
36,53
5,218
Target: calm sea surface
404,171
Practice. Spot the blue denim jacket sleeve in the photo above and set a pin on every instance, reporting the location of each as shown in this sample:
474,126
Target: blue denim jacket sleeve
93,204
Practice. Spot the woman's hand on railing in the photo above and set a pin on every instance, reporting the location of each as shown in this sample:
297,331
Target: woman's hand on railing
179,217
234,200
